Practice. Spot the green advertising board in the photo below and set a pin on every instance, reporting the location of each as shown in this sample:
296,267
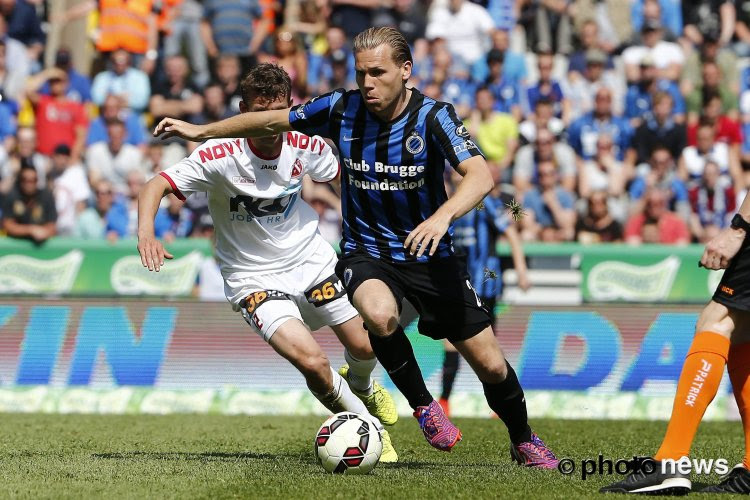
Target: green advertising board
625,273
70,267
652,274
65,266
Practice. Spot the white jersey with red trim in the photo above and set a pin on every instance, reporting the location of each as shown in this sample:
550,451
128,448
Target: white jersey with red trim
262,225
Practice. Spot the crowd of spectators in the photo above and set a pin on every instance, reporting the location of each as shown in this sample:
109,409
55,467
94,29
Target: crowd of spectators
607,120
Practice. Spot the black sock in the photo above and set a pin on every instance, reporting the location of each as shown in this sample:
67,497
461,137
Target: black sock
397,357
450,369
506,399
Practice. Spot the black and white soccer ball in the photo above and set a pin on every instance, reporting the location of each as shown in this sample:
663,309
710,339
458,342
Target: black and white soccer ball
348,443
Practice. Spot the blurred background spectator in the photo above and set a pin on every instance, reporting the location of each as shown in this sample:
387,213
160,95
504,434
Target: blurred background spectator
550,210
29,212
655,223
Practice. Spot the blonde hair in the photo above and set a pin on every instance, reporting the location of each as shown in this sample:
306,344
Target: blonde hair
375,37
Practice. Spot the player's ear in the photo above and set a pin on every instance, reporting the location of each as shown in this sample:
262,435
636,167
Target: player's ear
243,107
406,70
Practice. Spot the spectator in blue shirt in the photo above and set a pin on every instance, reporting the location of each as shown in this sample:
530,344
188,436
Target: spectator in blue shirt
584,132
550,214
506,92
129,83
112,108
8,122
320,67
103,219
173,221
24,25
670,14
548,88
79,85
458,89
638,100
235,27
122,217
514,64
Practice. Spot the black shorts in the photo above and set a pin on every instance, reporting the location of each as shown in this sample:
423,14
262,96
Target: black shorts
734,288
440,290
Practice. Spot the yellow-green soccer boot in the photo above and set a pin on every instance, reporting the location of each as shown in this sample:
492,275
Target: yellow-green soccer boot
380,403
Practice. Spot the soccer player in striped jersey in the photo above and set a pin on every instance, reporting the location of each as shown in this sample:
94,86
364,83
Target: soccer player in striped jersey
397,227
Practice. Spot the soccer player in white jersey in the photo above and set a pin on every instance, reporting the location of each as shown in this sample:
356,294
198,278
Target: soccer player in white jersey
278,271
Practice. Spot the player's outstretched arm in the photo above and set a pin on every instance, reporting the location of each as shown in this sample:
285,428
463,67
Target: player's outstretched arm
475,185
256,124
519,257
725,245
151,250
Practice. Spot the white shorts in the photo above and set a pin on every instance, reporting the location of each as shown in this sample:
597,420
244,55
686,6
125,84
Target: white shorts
310,292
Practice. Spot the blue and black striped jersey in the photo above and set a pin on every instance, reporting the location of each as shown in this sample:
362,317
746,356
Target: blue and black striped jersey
475,234
392,173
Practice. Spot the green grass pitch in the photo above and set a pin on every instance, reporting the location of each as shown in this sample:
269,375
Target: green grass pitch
210,456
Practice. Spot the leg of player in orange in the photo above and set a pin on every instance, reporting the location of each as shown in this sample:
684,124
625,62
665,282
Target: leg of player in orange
699,381
738,480
725,317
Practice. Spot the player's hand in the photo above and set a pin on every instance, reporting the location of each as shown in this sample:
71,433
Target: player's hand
431,229
172,127
152,253
523,281
722,248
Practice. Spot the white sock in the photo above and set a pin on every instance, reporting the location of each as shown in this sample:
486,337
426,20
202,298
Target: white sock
359,373
341,398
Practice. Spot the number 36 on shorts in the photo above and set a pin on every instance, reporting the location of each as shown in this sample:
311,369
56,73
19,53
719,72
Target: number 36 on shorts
326,291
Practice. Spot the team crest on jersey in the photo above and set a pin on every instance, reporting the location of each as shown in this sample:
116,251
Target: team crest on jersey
414,143
300,112
297,168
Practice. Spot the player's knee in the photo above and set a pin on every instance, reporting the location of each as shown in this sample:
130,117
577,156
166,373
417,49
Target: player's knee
714,318
315,368
361,349
493,372
382,325
381,321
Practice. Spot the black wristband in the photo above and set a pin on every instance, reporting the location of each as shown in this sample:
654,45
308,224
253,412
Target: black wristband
739,222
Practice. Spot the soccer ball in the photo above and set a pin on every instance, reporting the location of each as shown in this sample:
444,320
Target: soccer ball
348,443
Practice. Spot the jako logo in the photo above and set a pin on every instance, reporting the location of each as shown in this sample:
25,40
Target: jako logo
268,167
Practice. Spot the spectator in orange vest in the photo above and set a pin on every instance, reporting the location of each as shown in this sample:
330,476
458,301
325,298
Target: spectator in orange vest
130,25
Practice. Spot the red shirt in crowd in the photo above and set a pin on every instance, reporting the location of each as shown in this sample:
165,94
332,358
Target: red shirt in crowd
727,131
56,122
672,229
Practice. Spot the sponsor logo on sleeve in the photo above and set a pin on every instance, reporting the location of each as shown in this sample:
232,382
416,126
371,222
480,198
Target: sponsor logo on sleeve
464,146
461,131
